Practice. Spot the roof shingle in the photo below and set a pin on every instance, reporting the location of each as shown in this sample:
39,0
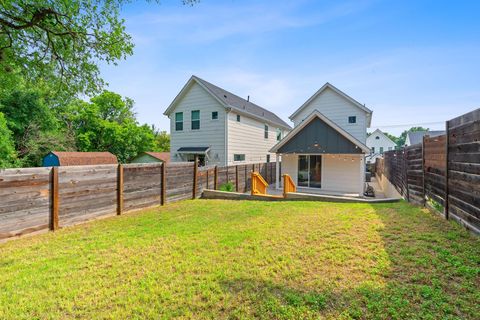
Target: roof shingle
242,105
84,158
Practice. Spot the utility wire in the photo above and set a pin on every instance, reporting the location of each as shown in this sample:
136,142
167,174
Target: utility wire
409,125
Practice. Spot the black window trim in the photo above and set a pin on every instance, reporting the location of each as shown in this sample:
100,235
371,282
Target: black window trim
196,120
239,155
178,122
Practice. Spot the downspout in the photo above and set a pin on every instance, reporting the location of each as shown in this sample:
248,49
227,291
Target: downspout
226,135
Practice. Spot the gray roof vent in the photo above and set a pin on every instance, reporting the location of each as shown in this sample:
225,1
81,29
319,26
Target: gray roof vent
225,96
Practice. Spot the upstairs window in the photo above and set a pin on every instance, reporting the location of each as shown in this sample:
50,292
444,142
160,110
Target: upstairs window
352,119
377,138
214,115
265,133
373,149
279,134
389,148
268,158
195,119
381,149
238,118
179,121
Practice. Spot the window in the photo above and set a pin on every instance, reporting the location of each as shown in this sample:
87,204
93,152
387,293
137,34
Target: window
238,118
309,172
195,119
239,157
389,148
279,134
268,158
381,149
377,138
265,134
352,119
373,149
214,115
179,121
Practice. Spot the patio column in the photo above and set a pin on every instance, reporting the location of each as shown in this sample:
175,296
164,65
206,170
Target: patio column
362,174
277,171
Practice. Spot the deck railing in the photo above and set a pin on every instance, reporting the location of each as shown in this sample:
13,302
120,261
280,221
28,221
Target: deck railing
288,185
259,185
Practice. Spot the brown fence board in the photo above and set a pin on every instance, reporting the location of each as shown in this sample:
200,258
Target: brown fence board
25,200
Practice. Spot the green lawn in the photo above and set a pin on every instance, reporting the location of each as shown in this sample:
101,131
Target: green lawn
239,260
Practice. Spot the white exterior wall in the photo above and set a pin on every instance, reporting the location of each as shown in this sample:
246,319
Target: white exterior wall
337,109
340,173
211,132
247,137
383,141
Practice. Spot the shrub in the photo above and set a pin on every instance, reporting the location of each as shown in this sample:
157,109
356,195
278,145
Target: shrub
227,187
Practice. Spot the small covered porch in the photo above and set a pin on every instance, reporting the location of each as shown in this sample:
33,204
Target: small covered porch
322,158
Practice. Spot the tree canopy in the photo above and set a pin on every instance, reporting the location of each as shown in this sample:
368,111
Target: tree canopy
403,136
63,42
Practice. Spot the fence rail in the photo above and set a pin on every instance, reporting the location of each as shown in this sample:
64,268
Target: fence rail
445,169
35,199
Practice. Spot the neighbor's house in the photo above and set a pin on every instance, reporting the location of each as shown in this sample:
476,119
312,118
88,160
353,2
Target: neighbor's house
220,127
152,157
62,158
326,149
417,136
378,142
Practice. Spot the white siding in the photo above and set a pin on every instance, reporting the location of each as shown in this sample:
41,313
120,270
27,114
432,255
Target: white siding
338,109
340,173
383,141
247,137
211,132
290,166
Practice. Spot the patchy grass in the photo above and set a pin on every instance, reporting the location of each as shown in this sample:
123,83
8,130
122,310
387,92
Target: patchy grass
240,260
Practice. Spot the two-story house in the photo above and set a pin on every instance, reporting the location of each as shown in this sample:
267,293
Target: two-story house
378,142
220,127
326,149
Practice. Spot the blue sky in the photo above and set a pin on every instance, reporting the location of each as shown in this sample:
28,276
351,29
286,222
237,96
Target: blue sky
411,62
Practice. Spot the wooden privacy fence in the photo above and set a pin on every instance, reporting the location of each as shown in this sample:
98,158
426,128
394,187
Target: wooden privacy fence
34,199
445,169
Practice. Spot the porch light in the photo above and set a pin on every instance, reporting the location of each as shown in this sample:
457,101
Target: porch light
316,145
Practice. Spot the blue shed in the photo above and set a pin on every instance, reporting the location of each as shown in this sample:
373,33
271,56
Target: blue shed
60,158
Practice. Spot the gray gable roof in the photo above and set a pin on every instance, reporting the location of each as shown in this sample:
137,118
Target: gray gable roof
241,105
417,136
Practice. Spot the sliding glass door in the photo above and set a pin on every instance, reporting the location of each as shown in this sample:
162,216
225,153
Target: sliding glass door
309,171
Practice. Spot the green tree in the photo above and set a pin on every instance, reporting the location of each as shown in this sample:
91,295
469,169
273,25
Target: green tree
35,127
8,157
403,136
63,42
108,123
162,140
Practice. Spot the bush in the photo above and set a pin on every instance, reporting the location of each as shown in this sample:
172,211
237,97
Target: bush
227,187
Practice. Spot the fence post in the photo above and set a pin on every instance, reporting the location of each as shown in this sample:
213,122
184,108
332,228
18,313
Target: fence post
55,201
246,179
423,171
215,178
207,178
163,190
236,178
405,166
119,189
195,167
447,142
